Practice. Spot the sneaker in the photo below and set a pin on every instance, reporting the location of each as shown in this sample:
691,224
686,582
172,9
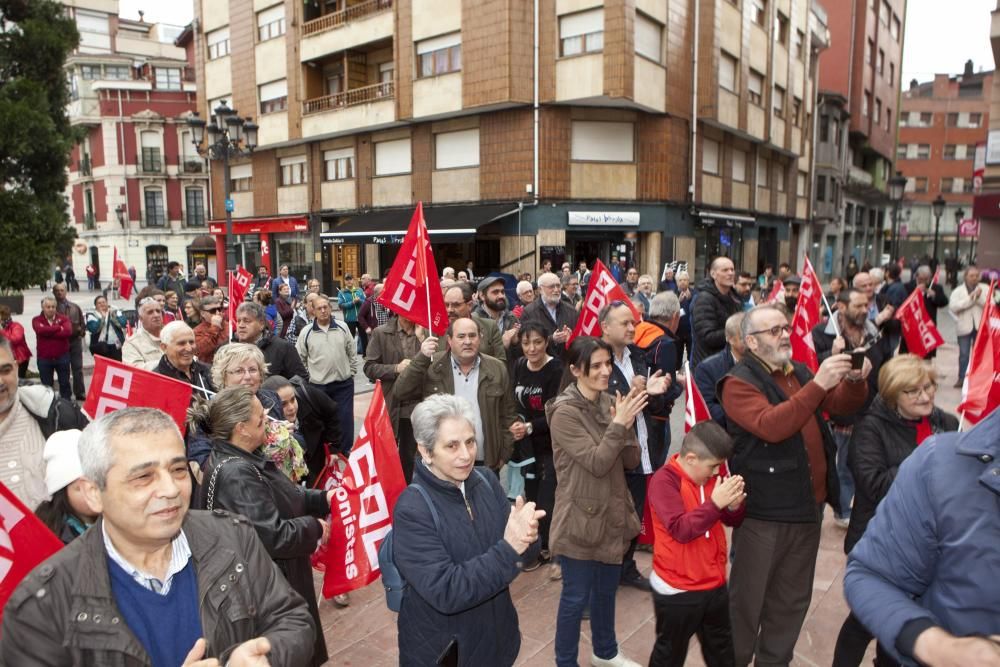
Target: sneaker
534,565
555,572
341,600
636,580
842,523
618,661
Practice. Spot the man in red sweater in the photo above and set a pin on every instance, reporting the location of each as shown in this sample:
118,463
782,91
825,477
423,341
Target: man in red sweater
52,333
786,453
690,503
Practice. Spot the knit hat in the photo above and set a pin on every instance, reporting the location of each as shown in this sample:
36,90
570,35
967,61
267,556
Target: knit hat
62,460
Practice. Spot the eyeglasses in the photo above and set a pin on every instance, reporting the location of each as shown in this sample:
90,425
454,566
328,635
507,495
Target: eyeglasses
775,331
252,371
928,390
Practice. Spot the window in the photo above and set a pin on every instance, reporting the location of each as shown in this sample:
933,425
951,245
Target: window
758,12
118,72
970,89
926,119
454,150
780,179
582,32
271,23
755,86
881,61
392,157
155,214
218,43
293,170
888,119
648,38
778,100
168,78
894,29
739,166
800,184
947,184
975,119
92,22
869,49
901,151
440,55
241,178
824,128
339,164
904,120
598,141
781,28
923,151
763,166
90,72
878,111
821,188
884,15
952,120
728,66
709,156
866,103
892,73
949,152
796,112
194,207
150,143
273,96
920,184
386,72
970,151
800,49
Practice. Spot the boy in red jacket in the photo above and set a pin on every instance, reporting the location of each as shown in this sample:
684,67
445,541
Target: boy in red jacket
690,503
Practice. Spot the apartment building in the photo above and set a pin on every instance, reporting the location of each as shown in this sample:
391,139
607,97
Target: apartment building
136,182
941,123
572,142
986,204
859,83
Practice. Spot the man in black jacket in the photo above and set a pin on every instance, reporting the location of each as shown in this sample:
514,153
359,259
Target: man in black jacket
714,368
934,297
714,303
281,356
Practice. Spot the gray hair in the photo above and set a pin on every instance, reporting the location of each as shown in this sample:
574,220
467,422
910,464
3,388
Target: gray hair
95,441
524,286
254,309
747,325
664,306
173,329
681,274
229,407
923,271
47,299
232,354
548,277
426,418
877,274
646,276
734,325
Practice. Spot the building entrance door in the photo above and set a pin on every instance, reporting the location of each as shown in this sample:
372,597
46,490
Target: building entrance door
344,258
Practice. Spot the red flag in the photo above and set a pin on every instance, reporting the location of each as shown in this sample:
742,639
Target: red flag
777,292
603,289
695,408
406,289
981,391
919,332
937,275
115,386
239,283
121,274
128,329
24,543
362,507
806,317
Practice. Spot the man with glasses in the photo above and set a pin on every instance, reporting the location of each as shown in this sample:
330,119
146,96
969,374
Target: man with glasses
458,302
784,449
280,356
142,349
571,290
554,315
210,334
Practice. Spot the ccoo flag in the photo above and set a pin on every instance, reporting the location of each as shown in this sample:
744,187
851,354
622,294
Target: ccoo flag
411,289
602,290
121,274
921,336
24,543
806,317
981,391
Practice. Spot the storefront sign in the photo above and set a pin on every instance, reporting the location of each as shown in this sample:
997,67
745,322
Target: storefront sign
604,219
969,227
262,226
388,240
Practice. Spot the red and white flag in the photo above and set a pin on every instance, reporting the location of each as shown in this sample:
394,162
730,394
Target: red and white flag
807,312
981,391
239,283
777,292
115,386
24,543
603,289
410,290
121,274
695,408
919,332
361,512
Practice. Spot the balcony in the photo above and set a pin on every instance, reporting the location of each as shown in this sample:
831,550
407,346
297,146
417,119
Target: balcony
86,168
89,221
344,16
350,98
195,218
365,107
191,164
154,220
350,27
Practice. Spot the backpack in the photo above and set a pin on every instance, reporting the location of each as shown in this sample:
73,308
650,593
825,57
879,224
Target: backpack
394,583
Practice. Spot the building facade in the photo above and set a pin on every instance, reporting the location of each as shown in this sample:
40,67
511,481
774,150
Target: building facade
940,126
571,142
136,183
859,83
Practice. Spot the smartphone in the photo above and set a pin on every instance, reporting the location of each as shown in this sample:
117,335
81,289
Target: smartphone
858,359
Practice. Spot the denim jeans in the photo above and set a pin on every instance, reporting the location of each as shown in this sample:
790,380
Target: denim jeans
964,348
844,475
586,581
61,367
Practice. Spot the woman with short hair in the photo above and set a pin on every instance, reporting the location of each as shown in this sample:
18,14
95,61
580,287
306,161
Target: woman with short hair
459,544
900,418
239,478
14,333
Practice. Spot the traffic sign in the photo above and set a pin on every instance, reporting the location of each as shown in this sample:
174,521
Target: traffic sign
230,206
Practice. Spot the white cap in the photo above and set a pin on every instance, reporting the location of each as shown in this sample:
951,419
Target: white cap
62,460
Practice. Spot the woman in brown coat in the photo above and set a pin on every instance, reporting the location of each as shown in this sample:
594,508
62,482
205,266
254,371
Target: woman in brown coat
593,443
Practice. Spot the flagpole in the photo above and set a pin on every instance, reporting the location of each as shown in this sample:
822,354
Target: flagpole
833,317
229,310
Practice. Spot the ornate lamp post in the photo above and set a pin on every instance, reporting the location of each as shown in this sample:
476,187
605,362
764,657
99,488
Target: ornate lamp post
937,207
229,136
896,186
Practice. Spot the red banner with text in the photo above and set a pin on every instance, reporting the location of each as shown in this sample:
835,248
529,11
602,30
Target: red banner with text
602,290
919,332
239,283
115,386
24,543
806,317
981,392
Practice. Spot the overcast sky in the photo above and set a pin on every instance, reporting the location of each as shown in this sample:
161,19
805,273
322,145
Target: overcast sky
940,34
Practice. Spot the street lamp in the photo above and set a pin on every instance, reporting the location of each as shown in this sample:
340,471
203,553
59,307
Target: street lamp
937,206
959,216
229,136
897,184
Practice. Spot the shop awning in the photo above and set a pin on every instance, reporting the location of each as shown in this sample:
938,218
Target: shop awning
444,223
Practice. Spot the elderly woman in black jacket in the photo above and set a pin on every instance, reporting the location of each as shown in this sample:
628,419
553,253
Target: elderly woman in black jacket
240,479
900,418
458,544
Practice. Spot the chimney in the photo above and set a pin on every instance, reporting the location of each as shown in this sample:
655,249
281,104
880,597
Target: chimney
142,14
913,84
968,68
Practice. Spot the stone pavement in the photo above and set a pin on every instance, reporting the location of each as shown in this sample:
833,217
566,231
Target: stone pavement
365,633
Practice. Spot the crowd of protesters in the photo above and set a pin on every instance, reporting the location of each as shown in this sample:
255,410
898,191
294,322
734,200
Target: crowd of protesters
524,447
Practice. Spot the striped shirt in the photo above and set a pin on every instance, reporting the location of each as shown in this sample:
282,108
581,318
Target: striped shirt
180,554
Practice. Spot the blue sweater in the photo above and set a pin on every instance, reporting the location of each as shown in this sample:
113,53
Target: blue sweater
144,611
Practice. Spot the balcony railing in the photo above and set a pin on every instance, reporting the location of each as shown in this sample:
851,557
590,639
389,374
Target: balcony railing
344,16
151,166
85,166
191,165
156,219
89,221
350,98
194,219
